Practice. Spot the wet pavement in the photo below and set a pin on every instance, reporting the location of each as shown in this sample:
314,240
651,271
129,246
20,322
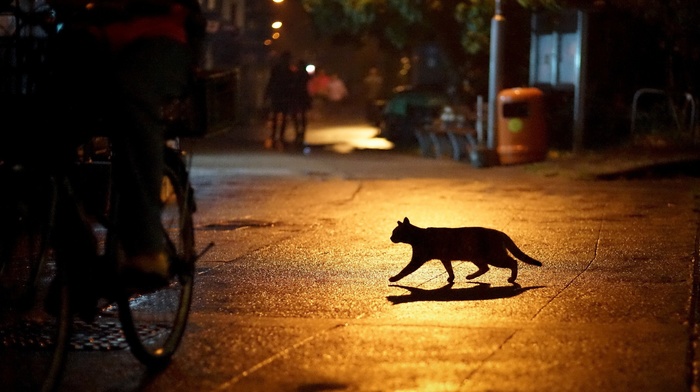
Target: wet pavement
295,294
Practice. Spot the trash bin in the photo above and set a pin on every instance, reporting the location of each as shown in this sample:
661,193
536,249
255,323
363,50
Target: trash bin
522,130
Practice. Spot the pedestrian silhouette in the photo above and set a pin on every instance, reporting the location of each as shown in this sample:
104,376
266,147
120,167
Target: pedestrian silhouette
301,101
373,84
337,93
278,93
318,88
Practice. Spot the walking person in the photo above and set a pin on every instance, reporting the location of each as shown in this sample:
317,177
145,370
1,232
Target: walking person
373,83
337,92
301,101
279,92
318,88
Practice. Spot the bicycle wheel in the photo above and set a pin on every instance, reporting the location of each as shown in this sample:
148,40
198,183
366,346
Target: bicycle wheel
35,315
25,207
154,322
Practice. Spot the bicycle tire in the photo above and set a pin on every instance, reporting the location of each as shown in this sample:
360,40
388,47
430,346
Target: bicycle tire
155,322
64,327
35,324
36,342
25,208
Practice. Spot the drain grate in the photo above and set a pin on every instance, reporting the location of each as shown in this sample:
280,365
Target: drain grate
100,335
103,335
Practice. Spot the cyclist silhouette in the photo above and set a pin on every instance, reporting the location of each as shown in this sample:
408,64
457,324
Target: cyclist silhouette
119,62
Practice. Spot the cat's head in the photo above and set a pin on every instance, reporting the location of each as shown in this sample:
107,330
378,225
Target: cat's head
402,232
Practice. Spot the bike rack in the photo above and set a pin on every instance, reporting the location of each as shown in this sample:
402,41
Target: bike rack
689,103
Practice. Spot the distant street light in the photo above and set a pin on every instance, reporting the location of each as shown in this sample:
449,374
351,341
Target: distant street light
276,25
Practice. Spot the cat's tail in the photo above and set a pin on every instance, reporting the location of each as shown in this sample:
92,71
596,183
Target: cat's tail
519,254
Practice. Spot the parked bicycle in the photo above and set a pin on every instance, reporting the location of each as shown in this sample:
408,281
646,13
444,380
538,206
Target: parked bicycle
38,291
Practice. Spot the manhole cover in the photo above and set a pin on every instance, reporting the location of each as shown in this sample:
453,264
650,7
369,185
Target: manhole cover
100,335
104,335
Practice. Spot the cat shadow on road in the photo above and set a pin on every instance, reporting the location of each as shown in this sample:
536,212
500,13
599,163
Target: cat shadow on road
482,291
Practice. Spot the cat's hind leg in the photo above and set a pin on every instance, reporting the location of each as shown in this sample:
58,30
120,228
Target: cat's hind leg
483,268
448,267
513,265
503,260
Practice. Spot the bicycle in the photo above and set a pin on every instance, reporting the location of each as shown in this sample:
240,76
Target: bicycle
38,291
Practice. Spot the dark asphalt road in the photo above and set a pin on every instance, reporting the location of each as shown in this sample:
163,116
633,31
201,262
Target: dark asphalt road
295,296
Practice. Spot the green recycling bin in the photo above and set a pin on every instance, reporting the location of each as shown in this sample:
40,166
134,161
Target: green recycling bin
521,126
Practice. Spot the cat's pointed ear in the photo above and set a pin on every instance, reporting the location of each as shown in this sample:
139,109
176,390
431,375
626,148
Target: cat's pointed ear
405,220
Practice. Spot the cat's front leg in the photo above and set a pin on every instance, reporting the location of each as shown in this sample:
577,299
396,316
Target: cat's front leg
448,267
413,265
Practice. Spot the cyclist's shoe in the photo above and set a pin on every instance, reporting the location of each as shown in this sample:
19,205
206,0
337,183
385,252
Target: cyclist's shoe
146,272
83,301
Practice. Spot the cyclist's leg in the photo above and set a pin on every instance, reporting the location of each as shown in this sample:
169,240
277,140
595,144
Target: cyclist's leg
148,72
70,101
76,249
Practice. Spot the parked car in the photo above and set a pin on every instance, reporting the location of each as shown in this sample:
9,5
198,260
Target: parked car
408,108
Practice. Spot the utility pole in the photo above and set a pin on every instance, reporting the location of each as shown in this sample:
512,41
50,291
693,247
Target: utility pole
496,55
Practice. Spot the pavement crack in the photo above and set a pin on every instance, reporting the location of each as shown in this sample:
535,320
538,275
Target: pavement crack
566,286
570,282
488,358
226,386
356,192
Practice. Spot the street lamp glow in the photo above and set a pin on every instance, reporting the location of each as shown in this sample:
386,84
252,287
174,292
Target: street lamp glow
277,1
276,25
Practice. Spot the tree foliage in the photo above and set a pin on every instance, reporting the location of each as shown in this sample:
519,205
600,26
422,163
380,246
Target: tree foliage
463,26
397,23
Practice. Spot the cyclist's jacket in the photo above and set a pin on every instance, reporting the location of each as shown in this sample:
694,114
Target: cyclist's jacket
120,22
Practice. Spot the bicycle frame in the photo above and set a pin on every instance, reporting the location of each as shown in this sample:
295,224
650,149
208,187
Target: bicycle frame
19,85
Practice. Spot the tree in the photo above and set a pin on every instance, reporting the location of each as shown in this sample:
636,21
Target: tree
462,26
678,22
397,23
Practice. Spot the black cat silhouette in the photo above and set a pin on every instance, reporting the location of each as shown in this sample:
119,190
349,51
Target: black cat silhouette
480,245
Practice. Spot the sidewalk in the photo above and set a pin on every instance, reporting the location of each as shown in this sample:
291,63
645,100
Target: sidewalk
603,164
622,162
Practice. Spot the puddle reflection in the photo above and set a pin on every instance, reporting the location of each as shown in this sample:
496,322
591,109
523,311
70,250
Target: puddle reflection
345,139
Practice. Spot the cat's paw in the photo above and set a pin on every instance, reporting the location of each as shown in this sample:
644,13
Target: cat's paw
393,279
511,280
450,279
